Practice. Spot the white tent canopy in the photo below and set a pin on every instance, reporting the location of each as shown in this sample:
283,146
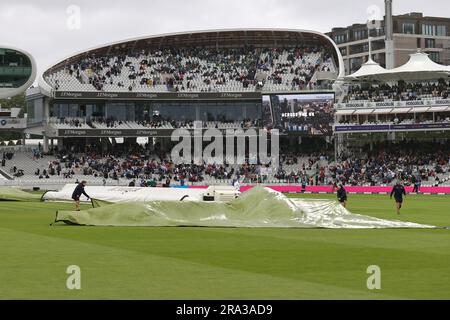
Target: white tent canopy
368,71
419,67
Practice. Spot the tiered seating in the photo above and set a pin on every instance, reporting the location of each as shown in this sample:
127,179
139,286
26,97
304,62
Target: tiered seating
81,123
69,123
115,125
399,92
62,80
195,70
27,163
381,166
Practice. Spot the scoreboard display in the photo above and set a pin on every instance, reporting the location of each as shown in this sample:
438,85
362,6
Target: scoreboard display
302,113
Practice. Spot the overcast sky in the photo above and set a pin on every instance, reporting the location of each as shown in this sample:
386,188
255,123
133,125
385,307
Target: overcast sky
51,29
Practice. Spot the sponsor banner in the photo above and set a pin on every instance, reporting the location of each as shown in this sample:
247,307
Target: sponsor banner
383,104
350,189
111,132
158,95
414,103
393,127
442,102
13,123
361,128
115,132
353,105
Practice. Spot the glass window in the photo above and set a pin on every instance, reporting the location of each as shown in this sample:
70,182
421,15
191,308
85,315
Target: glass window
15,68
74,111
30,111
120,111
340,38
355,64
408,28
360,34
441,31
430,43
35,111
206,111
64,110
435,57
428,29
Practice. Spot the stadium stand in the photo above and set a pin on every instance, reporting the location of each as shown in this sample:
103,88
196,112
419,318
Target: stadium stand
196,70
410,161
402,103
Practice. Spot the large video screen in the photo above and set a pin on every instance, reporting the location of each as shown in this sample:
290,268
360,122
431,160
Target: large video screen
302,113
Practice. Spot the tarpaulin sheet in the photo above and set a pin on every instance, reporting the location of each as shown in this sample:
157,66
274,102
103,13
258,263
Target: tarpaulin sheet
258,207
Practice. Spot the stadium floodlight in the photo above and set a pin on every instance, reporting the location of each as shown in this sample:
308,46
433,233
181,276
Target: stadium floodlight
17,71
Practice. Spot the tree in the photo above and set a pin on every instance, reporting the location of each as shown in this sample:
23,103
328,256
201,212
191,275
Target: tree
14,102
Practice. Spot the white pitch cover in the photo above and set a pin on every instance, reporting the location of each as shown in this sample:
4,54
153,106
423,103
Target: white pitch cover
121,194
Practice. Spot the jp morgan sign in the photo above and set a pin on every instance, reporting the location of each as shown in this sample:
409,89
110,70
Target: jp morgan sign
111,133
114,132
188,95
158,95
146,96
69,94
147,133
72,133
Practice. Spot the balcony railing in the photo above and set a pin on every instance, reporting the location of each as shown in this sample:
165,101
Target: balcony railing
383,104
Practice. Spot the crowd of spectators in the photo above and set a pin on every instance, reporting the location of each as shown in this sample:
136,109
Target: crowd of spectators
154,123
381,163
6,156
183,69
138,165
401,91
410,162
73,122
14,170
386,162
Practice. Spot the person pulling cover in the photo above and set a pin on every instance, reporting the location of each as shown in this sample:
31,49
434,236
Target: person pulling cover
342,195
79,190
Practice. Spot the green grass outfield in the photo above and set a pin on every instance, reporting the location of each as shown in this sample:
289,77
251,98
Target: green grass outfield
218,263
